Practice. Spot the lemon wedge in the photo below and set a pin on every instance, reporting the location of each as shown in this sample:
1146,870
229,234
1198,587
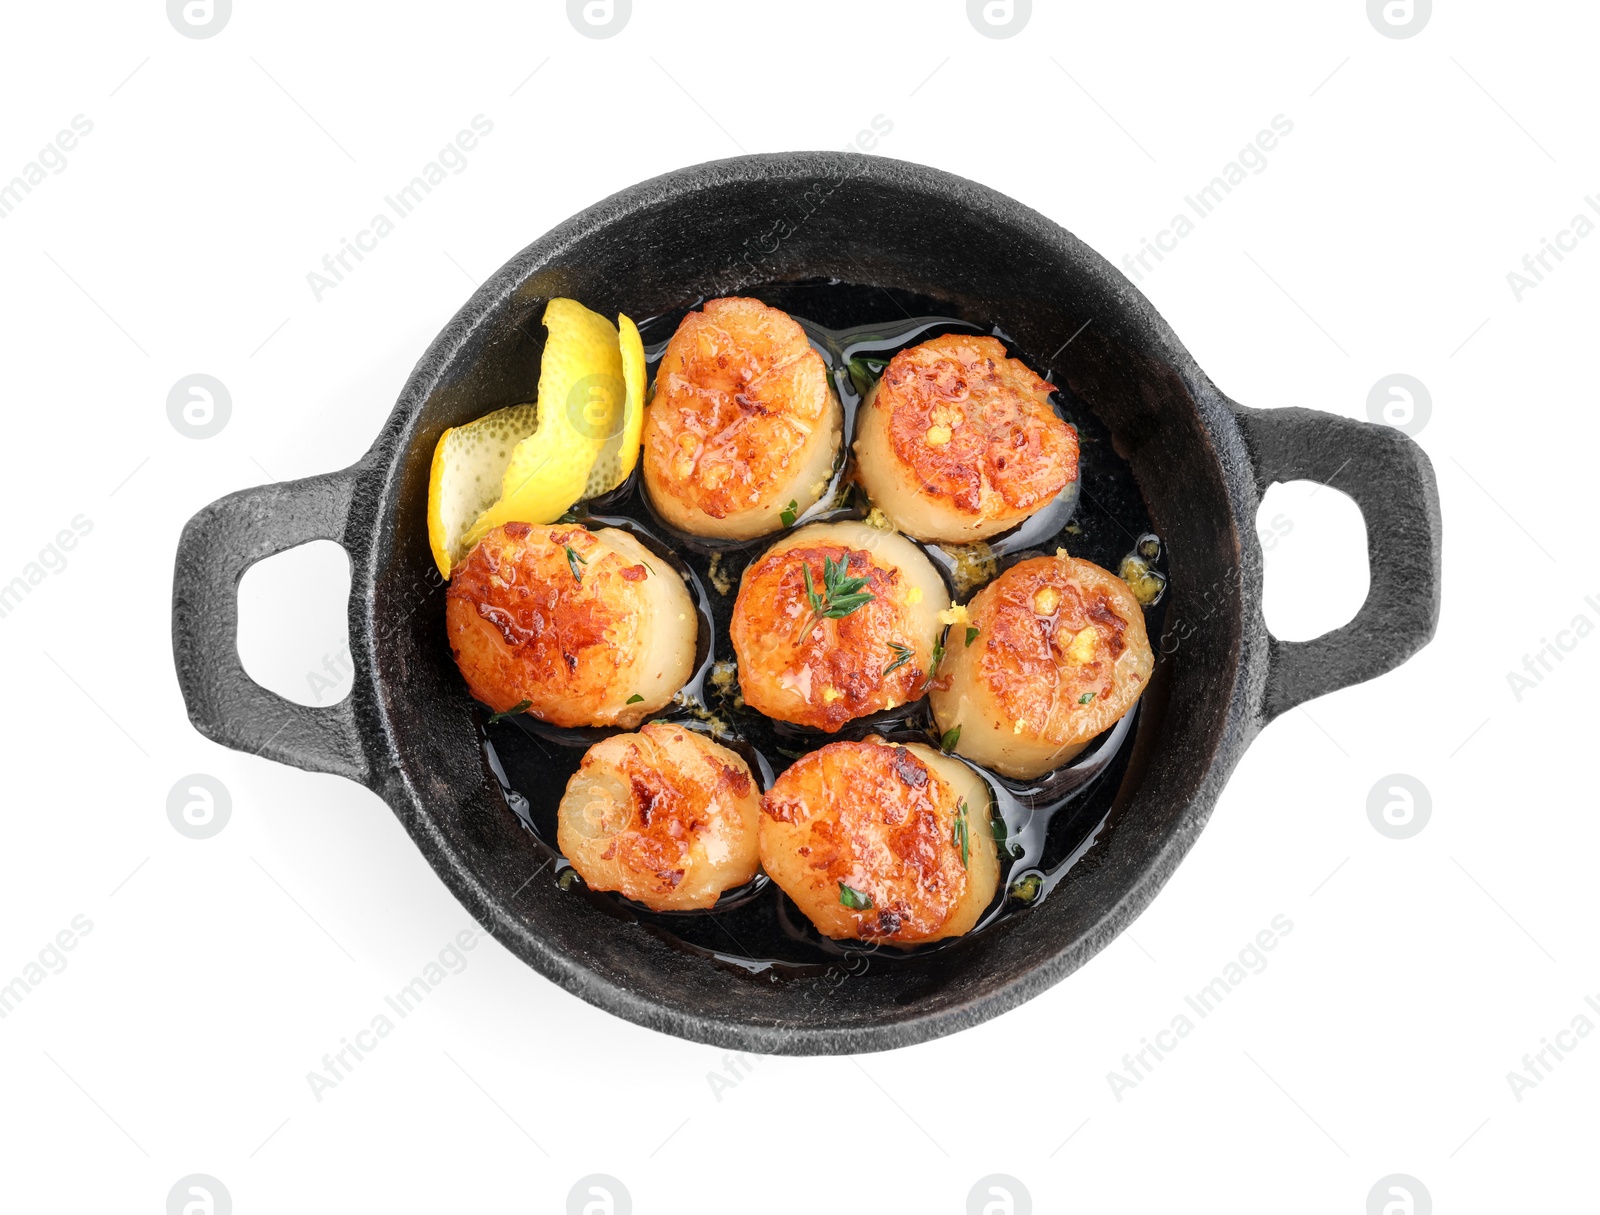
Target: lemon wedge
621,452
581,407
469,463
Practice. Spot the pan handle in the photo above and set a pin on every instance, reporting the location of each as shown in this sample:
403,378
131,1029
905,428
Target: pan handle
218,545
1391,480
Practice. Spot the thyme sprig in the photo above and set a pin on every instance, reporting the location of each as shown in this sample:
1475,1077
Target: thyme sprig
840,594
902,655
521,706
574,560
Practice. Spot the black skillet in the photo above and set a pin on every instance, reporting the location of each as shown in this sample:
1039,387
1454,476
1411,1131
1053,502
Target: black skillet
759,225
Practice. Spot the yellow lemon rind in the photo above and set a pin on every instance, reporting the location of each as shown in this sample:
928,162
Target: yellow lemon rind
465,476
549,470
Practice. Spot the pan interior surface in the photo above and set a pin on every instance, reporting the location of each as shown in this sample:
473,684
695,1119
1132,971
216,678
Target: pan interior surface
831,241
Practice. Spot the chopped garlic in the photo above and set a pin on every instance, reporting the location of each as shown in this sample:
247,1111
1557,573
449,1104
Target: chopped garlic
937,436
956,613
1082,648
975,565
829,695
1046,600
1019,727
914,595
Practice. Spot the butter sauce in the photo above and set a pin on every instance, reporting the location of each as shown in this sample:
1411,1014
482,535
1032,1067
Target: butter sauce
1048,824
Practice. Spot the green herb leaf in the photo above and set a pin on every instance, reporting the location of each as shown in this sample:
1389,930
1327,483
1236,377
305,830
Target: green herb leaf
789,513
843,605
997,828
902,655
784,751
959,829
840,595
938,654
1086,698
574,560
972,634
854,899
520,707
635,699
840,585
864,372
951,737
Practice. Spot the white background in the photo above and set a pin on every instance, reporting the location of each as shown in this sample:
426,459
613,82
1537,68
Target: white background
218,972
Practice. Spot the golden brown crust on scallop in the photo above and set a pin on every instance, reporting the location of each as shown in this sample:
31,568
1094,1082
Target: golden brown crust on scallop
1060,655
569,634
822,672
665,816
880,819
971,432
742,403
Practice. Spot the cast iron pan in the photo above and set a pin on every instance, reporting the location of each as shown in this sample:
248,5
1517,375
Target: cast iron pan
409,731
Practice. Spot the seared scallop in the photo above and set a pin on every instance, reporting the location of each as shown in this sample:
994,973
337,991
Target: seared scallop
957,442
666,817
835,621
744,424
581,628
879,841
1059,654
